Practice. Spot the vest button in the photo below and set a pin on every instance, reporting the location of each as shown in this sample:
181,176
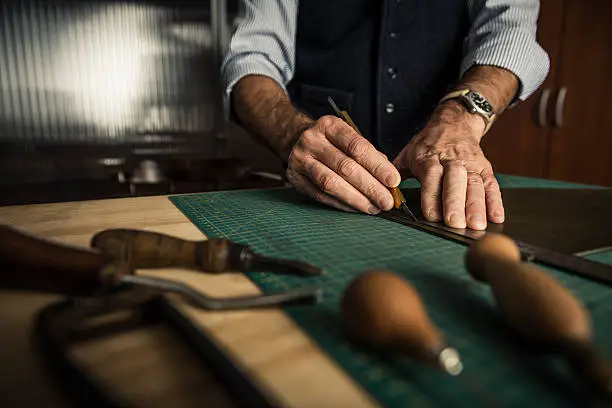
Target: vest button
392,72
393,35
390,108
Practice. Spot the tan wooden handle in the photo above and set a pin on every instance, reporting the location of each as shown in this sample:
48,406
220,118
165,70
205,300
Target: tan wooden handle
538,307
532,301
146,249
34,264
383,310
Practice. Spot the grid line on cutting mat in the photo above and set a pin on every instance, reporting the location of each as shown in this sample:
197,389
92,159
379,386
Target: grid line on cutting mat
283,223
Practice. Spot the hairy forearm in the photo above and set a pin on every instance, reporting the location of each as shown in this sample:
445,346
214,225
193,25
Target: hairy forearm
266,112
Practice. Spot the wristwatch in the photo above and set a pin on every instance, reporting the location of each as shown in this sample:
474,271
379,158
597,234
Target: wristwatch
475,103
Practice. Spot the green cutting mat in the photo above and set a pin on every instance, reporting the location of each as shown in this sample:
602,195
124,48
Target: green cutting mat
499,369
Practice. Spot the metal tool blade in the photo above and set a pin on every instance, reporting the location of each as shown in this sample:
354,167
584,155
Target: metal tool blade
406,209
334,106
302,296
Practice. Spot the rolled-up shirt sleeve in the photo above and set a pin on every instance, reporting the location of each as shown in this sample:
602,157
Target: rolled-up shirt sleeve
503,34
263,43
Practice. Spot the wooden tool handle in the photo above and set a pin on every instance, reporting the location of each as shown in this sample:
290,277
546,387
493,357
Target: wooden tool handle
146,249
538,307
533,302
33,264
384,311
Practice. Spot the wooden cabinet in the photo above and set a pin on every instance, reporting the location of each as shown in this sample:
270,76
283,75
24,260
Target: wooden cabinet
564,130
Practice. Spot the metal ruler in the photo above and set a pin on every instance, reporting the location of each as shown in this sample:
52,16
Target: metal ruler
570,263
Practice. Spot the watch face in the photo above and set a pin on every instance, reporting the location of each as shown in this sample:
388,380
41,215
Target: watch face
481,102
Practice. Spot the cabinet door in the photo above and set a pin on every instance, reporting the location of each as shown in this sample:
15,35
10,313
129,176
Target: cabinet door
517,143
581,144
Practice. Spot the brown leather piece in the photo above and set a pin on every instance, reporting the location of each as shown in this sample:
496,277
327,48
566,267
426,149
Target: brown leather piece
562,220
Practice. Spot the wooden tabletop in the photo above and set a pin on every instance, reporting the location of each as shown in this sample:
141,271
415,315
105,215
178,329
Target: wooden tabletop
278,356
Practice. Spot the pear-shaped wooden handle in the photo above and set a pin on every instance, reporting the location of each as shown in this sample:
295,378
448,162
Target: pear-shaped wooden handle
146,249
34,264
537,306
533,302
383,310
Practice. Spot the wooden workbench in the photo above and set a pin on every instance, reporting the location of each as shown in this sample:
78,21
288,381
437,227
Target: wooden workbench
267,344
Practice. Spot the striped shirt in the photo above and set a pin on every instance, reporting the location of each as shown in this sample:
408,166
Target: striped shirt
502,34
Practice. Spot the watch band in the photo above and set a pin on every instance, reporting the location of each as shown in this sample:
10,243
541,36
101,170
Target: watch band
460,94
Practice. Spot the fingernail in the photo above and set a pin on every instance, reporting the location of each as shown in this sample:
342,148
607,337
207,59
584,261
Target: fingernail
498,215
476,222
387,202
432,215
373,210
455,221
391,180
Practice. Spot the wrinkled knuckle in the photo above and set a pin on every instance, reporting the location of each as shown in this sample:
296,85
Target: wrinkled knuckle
474,180
327,120
297,159
372,192
433,169
347,167
308,137
379,167
455,165
328,182
357,147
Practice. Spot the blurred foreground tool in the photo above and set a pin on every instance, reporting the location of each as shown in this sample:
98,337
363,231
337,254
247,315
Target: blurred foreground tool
145,249
399,202
33,264
384,311
538,307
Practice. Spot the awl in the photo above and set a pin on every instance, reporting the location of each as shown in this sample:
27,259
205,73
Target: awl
399,202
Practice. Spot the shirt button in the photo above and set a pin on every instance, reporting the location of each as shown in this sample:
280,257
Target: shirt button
390,108
392,72
393,35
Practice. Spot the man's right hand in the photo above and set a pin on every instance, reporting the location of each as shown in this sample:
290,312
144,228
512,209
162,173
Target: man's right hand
335,165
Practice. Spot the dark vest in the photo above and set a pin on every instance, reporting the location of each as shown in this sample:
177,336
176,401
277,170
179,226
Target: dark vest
386,62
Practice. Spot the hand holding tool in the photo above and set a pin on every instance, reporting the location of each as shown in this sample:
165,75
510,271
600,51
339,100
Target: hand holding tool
399,202
538,307
381,309
31,263
145,249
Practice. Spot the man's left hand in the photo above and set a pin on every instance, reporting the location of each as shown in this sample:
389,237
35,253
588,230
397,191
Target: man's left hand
457,181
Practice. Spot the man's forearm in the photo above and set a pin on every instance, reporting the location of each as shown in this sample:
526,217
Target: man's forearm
498,85
266,112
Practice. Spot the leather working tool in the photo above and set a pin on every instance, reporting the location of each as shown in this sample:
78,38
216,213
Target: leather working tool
31,263
383,310
539,308
145,249
399,202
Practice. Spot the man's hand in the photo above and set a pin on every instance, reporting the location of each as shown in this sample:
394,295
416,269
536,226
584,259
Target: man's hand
336,166
457,181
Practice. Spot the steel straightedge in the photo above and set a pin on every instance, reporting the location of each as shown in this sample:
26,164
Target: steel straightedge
576,265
